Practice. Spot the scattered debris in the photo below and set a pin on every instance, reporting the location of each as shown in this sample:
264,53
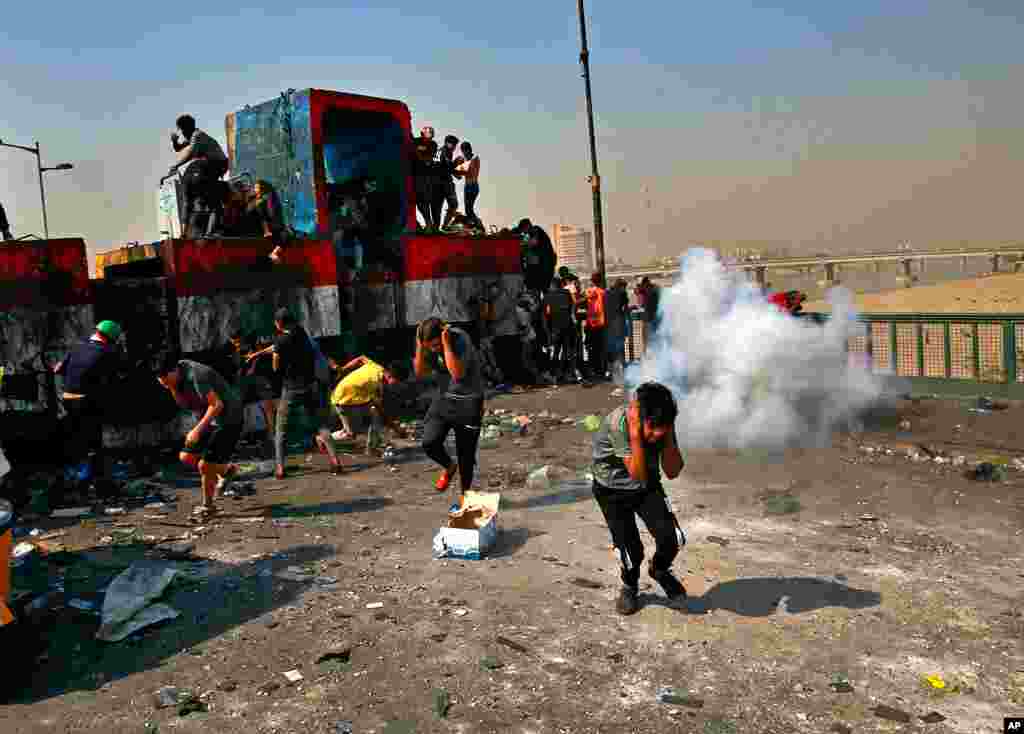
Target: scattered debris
586,583
490,663
511,644
935,681
869,518
717,540
462,612
343,727
592,423
292,676
191,706
169,696
227,686
669,696
933,718
375,605
442,702
840,683
126,607
988,472
1015,687
783,504
841,728
892,714
115,511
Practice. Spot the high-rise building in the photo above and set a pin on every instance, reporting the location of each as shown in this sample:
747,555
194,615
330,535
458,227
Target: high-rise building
574,248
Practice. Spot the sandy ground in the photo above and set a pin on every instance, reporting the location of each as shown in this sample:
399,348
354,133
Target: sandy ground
1002,293
883,571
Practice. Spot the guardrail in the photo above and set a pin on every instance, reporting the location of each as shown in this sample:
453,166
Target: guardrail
939,354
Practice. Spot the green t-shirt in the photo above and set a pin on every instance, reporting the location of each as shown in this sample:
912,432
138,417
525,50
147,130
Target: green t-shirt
611,448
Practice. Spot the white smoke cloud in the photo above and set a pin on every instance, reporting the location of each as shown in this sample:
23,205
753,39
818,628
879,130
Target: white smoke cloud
745,374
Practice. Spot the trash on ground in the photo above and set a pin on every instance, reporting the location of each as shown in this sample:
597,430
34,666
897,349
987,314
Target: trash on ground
342,727
586,583
892,714
293,676
511,644
115,511
126,607
325,580
840,683
933,718
781,504
170,696
988,472
471,530
191,706
442,703
489,662
71,512
375,605
717,540
935,681
591,424
670,696
460,612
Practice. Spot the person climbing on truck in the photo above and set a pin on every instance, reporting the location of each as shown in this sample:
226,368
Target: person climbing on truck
211,443
444,188
467,167
630,450
458,406
205,161
90,370
425,150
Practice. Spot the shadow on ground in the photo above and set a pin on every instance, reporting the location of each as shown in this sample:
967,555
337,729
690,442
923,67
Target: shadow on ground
576,490
212,597
361,504
761,597
510,540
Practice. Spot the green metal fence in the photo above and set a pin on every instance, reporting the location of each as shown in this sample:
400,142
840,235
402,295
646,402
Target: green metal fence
939,354
946,354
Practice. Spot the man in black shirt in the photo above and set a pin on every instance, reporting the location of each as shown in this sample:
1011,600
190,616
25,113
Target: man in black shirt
558,311
295,359
425,150
89,371
538,256
444,189
210,444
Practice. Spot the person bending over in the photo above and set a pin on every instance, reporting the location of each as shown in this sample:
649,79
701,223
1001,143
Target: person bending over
458,405
630,449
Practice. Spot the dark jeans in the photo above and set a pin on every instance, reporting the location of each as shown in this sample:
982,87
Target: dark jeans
201,181
425,198
83,431
444,193
563,343
311,400
597,352
462,416
620,510
470,193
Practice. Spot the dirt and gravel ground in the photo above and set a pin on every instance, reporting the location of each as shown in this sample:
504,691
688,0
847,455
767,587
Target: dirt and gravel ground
823,584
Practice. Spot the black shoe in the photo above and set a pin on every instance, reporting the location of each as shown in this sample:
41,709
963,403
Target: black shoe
669,583
628,602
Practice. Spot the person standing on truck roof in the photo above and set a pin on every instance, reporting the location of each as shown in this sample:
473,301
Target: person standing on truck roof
425,149
205,161
210,444
296,357
90,370
459,404
467,167
444,190
5,226
630,450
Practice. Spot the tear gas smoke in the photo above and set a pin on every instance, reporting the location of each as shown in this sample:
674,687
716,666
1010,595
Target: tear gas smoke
747,375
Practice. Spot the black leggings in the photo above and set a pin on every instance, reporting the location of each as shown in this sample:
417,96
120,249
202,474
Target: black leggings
462,416
620,509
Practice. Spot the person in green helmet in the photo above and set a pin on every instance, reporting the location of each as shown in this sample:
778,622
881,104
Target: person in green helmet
89,373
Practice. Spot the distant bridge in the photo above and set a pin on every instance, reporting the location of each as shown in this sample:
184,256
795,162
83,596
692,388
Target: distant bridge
831,264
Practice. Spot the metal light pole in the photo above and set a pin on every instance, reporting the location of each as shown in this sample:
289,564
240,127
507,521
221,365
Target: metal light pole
595,179
41,170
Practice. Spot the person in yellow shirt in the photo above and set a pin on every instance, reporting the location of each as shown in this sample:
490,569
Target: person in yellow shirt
361,393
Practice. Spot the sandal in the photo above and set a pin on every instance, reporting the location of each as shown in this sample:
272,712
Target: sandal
229,476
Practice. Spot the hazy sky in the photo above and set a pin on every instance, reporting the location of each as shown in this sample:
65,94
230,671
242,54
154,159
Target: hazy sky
844,123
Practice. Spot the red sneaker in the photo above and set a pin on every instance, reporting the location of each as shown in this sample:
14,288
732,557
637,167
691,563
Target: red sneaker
445,479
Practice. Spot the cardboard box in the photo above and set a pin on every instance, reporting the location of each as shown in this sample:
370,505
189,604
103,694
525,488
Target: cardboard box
472,531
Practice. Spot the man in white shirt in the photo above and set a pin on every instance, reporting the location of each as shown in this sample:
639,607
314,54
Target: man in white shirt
205,162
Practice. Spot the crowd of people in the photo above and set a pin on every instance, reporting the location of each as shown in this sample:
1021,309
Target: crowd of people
435,169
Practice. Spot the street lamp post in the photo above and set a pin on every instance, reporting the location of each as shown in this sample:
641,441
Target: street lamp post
595,179
41,170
